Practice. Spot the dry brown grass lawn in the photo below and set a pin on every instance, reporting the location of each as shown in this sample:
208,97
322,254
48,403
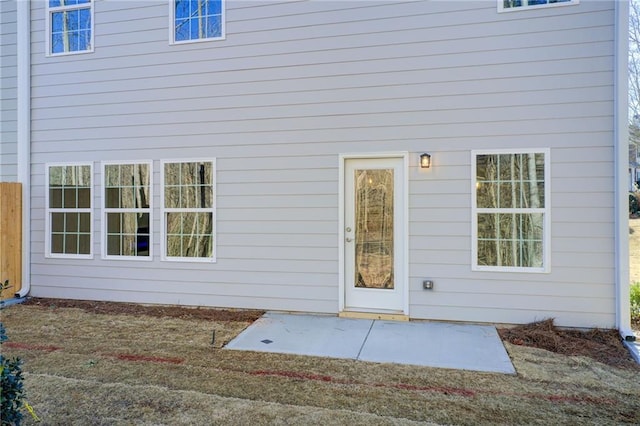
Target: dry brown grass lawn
88,366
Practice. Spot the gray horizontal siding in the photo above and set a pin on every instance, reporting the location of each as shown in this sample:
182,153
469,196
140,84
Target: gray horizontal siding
294,85
8,88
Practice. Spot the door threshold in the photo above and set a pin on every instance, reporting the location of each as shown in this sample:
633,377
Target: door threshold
373,316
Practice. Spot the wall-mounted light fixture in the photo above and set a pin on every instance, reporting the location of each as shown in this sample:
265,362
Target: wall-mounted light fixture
425,161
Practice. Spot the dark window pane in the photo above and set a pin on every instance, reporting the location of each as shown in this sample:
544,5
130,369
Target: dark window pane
113,245
84,244
142,245
84,198
55,198
85,222
57,222
72,222
204,171
71,243
113,223
57,243
112,198
69,198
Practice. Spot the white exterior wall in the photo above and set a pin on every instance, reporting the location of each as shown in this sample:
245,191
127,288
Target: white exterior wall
8,92
296,84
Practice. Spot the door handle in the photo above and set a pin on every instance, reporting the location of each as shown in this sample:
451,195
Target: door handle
348,239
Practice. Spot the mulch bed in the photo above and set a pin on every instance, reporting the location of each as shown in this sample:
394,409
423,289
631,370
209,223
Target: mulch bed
602,345
159,311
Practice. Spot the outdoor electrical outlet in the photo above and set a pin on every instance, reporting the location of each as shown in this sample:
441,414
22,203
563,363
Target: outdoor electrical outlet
427,284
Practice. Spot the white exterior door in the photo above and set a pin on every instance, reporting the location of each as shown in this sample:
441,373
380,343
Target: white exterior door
374,235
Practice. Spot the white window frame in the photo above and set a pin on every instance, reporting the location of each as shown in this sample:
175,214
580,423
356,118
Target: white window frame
49,211
49,28
172,23
164,210
546,211
106,210
526,6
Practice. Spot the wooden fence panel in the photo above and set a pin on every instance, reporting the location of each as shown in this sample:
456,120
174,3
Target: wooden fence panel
11,236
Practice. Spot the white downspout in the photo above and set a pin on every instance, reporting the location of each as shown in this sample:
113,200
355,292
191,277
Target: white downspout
621,161
24,135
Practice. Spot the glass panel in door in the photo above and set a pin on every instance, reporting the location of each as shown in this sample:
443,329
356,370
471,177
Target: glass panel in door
374,223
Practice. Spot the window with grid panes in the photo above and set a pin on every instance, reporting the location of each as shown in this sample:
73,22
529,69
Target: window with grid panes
69,26
510,5
127,210
197,20
511,211
69,208
188,210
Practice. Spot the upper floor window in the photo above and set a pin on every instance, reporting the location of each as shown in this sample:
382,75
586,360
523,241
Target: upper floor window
69,26
188,210
510,203
68,199
507,5
196,20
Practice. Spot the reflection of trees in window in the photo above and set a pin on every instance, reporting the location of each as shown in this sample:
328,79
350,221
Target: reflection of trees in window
374,228
197,19
507,4
510,209
69,208
70,25
127,211
188,209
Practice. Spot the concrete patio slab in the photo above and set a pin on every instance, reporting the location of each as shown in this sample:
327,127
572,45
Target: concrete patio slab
443,345
431,344
317,335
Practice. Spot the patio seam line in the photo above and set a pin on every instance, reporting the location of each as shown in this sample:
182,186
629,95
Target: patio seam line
364,341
